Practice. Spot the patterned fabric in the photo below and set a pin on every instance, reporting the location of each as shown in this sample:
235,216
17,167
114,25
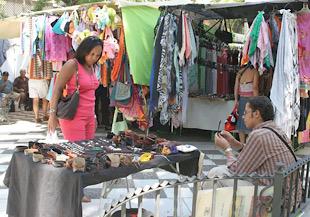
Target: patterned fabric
303,21
263,149
153,102
40,69
164,79
246,89
284,92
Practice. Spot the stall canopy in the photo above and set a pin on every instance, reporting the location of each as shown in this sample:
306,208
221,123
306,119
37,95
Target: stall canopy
204,10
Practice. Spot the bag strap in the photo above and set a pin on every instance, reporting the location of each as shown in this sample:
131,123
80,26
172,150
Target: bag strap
77,75
125,66
121,70
285,142
127,71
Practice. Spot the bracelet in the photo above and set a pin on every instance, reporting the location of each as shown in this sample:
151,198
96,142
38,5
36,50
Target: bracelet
52,111
229,149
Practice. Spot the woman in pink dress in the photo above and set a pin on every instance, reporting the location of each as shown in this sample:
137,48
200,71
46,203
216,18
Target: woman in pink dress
83,125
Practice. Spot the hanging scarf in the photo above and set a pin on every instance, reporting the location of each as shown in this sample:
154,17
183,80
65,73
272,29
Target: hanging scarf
119,57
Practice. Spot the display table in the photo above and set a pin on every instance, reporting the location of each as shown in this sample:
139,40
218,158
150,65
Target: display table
205,114
41,190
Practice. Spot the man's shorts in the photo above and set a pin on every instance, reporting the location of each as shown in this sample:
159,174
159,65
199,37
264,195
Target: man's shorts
37,88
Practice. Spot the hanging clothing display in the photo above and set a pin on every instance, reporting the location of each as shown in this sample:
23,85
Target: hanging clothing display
173,69
140,46
285,86
56,46
257,48
217,68
303,23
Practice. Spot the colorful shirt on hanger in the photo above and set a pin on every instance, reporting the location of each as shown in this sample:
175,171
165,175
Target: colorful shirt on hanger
303,23
56,46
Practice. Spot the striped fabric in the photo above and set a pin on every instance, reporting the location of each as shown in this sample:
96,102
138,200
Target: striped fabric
261,152
40,69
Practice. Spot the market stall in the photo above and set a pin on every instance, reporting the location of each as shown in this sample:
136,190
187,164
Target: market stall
43,182
203,66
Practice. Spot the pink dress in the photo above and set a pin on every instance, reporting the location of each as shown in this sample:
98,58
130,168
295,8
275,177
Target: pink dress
304,49
83,126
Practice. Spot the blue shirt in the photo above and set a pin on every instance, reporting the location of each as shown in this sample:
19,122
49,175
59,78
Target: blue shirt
8,88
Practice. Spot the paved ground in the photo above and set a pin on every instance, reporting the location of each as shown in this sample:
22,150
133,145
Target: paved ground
22,129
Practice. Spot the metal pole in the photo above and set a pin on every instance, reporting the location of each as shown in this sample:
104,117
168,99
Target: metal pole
277,191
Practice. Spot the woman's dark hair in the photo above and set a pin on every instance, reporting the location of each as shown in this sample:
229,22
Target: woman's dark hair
86,46
263,105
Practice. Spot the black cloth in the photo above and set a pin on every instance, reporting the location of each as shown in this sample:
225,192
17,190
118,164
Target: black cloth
38,190
102,108
155,68
304,111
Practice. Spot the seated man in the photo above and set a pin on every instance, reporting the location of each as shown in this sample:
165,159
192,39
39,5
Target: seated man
20,86
263,148
6,88
266,145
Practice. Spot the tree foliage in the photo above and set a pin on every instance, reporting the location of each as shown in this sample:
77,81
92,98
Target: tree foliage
39,5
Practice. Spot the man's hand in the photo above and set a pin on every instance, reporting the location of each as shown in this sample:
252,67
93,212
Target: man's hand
221,142
227,135
231,140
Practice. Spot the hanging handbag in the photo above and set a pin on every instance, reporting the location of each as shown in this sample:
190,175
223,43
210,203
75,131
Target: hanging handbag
122,90
231,121
67,106
224,35
119,123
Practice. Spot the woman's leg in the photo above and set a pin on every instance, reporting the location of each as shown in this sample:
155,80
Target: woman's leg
90,127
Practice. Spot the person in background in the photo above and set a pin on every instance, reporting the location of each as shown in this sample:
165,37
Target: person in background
83,125
20,86
246,85
6,90
38,88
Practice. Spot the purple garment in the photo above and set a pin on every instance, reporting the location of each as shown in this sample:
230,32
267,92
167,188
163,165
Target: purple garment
56,46
303,26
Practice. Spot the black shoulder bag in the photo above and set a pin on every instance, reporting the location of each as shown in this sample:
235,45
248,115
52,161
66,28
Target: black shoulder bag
286,144
67,106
